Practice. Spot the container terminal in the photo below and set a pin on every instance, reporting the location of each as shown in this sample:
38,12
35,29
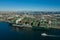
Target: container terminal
35,20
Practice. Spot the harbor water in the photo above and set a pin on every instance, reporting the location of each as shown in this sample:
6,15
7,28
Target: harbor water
12,33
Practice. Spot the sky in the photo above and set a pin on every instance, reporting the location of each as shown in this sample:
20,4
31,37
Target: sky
29,5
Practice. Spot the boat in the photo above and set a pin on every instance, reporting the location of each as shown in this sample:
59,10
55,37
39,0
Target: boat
22,26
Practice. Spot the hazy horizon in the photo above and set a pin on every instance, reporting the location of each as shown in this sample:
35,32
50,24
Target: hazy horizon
29,5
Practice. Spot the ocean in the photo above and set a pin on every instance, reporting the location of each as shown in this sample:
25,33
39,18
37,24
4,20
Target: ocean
12,33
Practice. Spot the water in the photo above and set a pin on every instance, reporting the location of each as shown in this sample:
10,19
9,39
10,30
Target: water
12,33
